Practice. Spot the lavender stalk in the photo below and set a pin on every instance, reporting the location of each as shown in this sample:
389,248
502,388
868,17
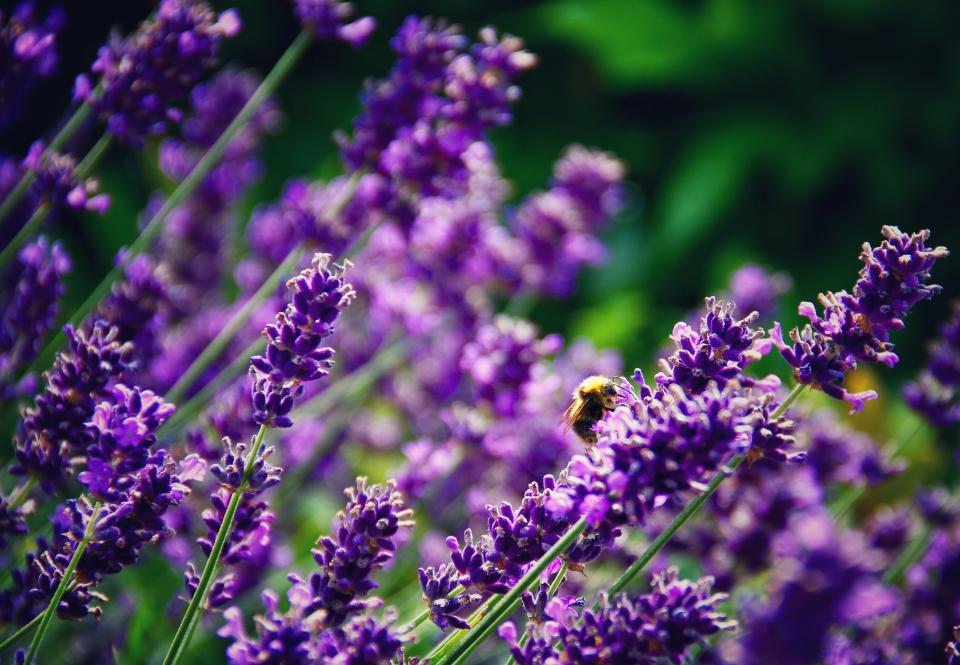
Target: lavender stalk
196,176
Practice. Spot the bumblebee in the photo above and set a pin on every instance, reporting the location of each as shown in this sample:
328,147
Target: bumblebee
591,400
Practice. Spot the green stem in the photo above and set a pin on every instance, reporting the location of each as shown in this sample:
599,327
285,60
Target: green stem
178,646
909,556
13,639
33,224
186,187
65,134
51,610
691,508
238,320
510,600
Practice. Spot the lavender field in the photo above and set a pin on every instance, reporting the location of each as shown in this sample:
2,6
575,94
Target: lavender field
322,343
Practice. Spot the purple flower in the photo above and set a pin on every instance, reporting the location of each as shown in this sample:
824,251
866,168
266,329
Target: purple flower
556,229
855,327
756,290
193,242
500,360
327,620
953,648
28,51
142,76
30,307
659,626
718,351
123,431
294,354
12,522
56,182
138,304
54,430
231,469
328,19
647,455
122,529
436,585
934,394
363,543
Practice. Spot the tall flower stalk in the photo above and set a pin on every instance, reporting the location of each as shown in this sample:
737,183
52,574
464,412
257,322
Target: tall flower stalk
294,356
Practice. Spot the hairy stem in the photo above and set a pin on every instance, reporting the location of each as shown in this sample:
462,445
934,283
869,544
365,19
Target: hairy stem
194,609
51,610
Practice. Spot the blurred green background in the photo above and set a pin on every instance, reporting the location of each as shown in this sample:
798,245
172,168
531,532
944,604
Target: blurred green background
784,133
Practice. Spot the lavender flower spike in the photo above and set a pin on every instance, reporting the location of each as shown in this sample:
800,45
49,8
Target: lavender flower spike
143,75
294,354
28,51
936,393
328,19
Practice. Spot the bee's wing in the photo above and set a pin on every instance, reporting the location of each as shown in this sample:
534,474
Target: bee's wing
572,414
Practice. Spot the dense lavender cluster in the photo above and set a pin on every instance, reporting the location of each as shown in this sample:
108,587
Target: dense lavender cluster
57,182
294,353
53,432
28,51
328,619
142,76
662,625
855,327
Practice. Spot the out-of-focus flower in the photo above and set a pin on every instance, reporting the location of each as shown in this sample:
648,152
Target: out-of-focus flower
56,182
28,51
756,290
143,76
30,308
934,394
331,19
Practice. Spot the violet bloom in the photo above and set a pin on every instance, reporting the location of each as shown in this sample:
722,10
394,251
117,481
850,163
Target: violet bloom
251,530
756,290
953,648
123,431
831,580
29,308
662,625
123,528
54,430
142,76
648,455
717,351
330,19
56,182
327,619
557,229
934,395
137,304
28,51
855,327
500,359
294,355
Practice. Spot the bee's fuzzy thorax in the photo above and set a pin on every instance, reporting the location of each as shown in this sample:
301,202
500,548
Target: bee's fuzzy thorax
591,384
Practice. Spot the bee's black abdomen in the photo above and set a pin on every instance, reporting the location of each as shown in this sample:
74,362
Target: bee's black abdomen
584,429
